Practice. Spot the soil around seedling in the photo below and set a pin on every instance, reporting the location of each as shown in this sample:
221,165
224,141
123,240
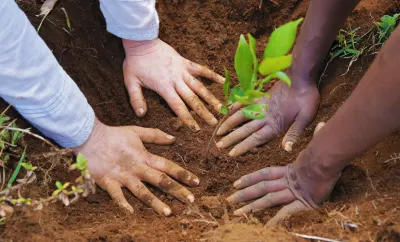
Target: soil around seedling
206,32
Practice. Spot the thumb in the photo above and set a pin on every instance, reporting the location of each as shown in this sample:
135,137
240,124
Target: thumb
290,209
294,132
136,96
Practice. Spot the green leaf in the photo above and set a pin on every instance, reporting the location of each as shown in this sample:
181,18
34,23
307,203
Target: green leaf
253,43
256,111
244,63
282,39
244,99
236,91
17,169
4,119
224,110
353,51
271,65
59,185
227,84
283,77
256,94
27,166
81,162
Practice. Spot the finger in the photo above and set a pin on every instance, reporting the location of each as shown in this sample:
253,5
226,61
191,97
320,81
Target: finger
113,188
241,133
269,200
179,107
199,70
292,208
258,138
203,92
170,168
233,121
265,174
258,190
156,136
233,108
136,97
144,195
195,103
170,186
293,134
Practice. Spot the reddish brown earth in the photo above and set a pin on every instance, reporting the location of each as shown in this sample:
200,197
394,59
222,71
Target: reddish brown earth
207,32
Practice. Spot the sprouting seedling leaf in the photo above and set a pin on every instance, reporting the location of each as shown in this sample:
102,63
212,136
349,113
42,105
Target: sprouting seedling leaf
81,163
236,91
244,63
282,39
17,169
4,119
16,135
28,166
255,111
271,65
60,187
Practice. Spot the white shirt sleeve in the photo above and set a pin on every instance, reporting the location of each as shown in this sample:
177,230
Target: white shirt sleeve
33,82
131,19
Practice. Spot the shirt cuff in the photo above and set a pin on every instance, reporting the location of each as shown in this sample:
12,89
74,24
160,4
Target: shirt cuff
138,35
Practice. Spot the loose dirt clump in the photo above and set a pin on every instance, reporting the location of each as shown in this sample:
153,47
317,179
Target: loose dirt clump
206,32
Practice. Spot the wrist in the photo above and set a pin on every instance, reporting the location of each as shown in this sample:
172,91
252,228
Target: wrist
97,134
135,48
317,174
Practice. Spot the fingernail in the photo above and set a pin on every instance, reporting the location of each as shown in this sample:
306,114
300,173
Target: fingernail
170,137
167,211
288,146
238,212
190,198
237,183
232,152
229,199
219,144
214,121
140,111
197,181
219,106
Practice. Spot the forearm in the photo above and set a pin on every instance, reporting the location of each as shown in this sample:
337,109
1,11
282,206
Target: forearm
36,85
323,20
370,114
131,20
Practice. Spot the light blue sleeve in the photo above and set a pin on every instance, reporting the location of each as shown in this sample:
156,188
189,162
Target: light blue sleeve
36,85
131,19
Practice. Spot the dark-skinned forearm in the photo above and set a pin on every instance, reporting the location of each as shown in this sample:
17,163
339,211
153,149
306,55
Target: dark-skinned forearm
323,20
370,114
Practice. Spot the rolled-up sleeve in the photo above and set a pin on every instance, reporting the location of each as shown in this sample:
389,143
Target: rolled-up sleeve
33,82
131,19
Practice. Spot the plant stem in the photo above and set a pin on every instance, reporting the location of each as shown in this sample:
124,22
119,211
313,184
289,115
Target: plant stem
213,135
30,133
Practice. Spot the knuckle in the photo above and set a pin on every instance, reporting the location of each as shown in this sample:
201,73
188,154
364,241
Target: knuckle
257,136
263,186
265,171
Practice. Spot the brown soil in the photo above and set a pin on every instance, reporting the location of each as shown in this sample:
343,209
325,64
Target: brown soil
207,32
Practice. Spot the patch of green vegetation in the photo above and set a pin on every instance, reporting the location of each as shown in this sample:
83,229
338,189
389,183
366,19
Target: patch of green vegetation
275,60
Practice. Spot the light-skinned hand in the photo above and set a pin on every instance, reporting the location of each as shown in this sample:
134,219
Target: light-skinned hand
156,65
117,158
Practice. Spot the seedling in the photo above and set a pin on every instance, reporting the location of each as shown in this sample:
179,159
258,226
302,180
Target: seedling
385,27
275,60
346,46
